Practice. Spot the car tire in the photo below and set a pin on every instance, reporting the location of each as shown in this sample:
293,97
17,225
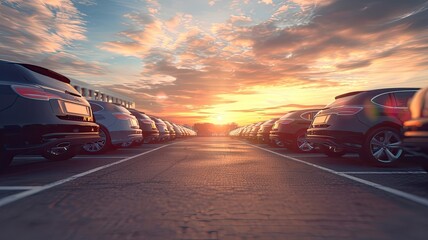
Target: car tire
300,144
5,159
100,146
70,153
382,147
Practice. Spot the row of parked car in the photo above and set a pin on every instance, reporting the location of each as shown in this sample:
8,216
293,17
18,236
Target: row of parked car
380,125
41,113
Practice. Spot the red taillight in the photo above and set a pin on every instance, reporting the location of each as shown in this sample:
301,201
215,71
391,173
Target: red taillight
122,116
34,93
345,110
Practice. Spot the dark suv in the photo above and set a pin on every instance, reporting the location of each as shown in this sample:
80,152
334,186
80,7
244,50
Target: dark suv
263,133
367,122
150,132
290,130
41,113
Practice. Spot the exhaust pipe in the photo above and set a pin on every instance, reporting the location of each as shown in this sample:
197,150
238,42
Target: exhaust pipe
60,148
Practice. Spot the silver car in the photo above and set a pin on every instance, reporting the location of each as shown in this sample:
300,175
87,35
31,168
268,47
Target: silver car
118,127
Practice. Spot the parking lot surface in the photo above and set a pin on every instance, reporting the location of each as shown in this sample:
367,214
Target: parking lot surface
211,188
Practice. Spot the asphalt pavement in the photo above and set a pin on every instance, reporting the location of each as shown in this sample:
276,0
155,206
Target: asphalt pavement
211,188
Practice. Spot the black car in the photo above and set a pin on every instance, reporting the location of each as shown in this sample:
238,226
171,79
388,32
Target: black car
150,132
252,135
41,113
163,129
290,130
416,129
264,130
172,134
366,122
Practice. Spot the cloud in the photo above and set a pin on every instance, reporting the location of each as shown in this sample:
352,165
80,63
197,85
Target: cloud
44,33
34,27
267,2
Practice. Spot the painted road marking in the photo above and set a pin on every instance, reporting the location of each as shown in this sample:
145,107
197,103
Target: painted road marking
392,172
408,196
15,197
17,188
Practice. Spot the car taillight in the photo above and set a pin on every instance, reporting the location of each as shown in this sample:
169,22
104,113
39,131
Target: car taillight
122,116
345,110
34,93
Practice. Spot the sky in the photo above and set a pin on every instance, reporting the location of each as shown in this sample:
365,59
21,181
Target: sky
223,61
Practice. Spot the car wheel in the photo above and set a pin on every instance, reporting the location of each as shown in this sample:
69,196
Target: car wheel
99,146
383,147
301,144
61,152
5,159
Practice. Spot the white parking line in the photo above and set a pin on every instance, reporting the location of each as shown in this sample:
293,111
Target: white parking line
380,173
408,196
17,188
84,157
21,195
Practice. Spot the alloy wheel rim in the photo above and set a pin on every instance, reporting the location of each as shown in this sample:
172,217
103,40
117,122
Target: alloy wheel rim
385,146
98,145
303,144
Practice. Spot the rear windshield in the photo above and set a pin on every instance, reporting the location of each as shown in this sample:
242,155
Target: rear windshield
47,81
121,109
341,101
287,115
145,116
11,73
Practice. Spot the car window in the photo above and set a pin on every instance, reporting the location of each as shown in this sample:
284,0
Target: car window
287,115
121,109
96,107
144,116
312,115
49,82
402,98
384,100
306,115
342,101
11,73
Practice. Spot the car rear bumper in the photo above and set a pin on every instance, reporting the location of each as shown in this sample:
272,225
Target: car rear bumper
54,139
119,137
343,140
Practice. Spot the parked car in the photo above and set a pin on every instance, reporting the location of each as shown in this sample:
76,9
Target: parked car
246,132
416,129
264,131
366,122
290,130
162,128
172,134
147,125
252,135
41,113
118,127
178,131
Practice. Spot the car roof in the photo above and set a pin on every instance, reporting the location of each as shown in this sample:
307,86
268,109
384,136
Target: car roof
380,90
